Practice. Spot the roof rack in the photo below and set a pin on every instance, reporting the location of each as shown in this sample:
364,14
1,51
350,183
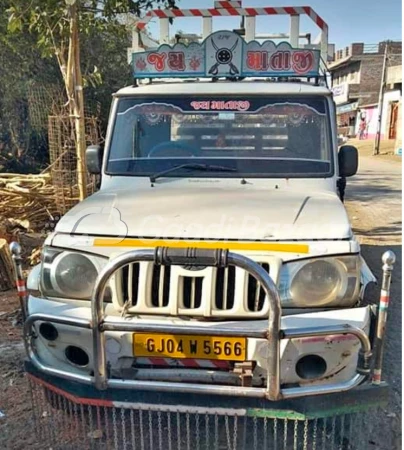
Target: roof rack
248,14
231,54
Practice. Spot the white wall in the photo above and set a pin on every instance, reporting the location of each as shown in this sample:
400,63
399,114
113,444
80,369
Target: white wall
372,115
371,119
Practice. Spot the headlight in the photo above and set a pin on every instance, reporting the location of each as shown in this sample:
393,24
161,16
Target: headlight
69,274
320,282
317,282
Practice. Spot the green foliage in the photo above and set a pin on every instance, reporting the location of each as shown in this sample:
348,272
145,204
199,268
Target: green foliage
105,68
34,38
21,66
49,19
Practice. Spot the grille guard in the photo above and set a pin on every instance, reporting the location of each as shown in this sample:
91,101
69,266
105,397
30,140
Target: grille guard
214,258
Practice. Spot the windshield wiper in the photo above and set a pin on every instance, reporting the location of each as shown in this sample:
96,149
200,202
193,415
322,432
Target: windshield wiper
198,167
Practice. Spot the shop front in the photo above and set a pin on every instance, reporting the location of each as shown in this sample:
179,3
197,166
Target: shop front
347,119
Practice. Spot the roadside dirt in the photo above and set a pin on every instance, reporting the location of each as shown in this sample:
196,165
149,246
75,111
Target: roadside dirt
16,425
374,204
386,151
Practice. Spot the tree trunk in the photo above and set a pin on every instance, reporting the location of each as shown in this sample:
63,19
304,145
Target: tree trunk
7,280
74,88
80,122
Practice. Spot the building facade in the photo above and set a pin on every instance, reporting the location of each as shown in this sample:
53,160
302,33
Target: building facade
392,106
357,72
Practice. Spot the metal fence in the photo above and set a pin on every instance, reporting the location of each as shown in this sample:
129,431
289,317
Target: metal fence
62,423
63,158
49,116
44,100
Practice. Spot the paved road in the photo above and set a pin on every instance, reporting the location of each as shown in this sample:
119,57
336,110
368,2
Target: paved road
374,204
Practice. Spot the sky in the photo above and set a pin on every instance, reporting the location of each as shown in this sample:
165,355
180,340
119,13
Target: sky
348,20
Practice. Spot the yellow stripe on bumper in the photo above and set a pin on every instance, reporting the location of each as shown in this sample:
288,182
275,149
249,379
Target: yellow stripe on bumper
226,245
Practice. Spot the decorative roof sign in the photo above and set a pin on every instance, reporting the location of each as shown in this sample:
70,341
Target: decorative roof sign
226,54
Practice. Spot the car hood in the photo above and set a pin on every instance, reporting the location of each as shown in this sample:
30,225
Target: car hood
247,213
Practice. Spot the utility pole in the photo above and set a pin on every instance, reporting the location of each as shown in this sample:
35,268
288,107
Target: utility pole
74,88
376,148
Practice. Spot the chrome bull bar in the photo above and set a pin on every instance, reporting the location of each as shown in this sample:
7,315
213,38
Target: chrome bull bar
99,324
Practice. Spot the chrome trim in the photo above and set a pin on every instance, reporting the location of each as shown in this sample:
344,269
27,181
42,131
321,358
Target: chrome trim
98,317
329,330
100,323
180,329
323,389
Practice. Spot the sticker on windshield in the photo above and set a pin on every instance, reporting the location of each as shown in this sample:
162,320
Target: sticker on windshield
153,118
295,118
221,105
154,109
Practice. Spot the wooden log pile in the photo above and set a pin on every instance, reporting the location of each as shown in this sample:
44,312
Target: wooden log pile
27,201
27,205
29,209
6,267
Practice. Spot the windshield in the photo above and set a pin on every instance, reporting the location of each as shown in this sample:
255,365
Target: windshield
253,137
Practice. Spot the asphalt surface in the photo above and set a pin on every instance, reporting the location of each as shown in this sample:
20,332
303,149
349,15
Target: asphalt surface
373,199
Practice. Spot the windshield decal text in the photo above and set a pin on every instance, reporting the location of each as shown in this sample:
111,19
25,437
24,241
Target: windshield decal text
220,105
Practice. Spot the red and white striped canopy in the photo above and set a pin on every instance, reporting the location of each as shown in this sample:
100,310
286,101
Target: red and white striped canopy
232,8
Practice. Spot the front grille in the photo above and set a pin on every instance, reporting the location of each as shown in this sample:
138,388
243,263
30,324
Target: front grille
160,286
225,288
255,292
191,292
128,280
147,288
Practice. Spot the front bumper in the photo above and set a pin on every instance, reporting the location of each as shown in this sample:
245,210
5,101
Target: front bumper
274,345
340,352
360,399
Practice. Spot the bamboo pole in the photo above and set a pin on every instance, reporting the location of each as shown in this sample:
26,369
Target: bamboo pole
69,66
74,84
80,123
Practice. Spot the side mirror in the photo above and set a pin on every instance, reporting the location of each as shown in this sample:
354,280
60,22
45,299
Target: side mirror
94,159
347,161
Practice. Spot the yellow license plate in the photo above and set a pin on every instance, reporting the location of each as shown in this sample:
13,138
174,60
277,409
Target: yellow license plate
189,346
